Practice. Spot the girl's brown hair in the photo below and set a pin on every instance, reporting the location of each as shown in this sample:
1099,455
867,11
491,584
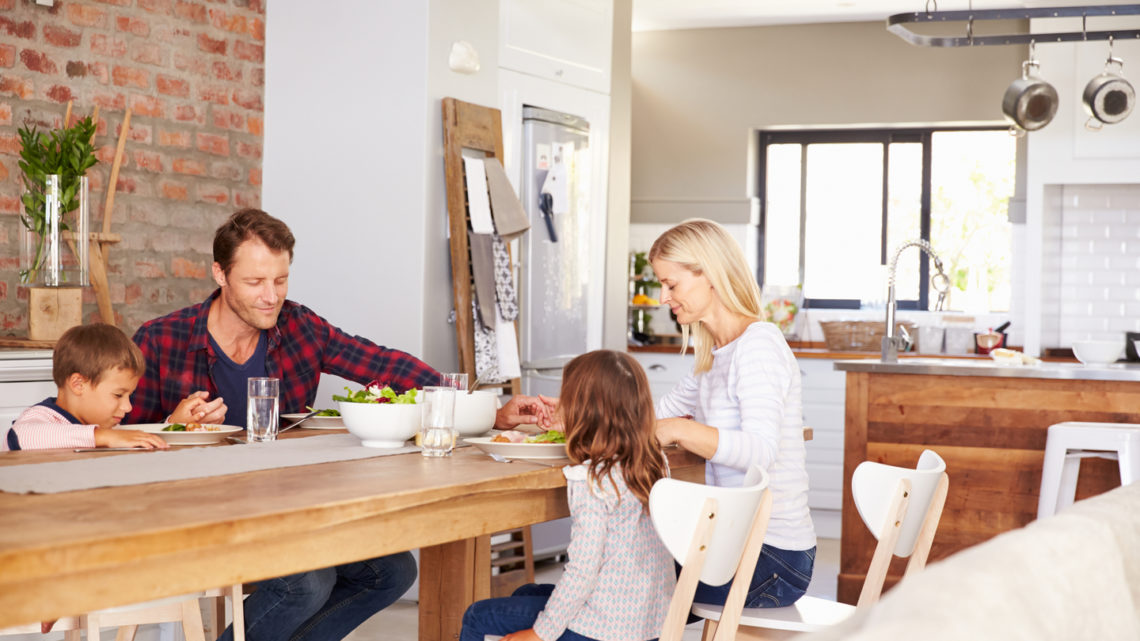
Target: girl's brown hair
607,409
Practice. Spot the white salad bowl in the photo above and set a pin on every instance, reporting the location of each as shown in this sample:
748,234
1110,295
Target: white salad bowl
475,412
383,425
1097,352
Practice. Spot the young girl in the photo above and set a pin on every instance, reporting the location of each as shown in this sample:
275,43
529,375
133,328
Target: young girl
619,579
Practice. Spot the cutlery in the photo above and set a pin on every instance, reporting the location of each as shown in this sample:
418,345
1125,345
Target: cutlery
108,449
499,457
475,383
298,422
236,439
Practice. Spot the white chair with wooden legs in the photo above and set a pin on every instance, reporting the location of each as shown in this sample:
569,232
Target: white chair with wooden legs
707,529
182,609
900,506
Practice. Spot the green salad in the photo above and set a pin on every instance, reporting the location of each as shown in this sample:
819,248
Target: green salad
324,412
174,427
373,393
553,436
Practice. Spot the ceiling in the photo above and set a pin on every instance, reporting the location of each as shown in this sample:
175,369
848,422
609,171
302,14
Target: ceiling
656,15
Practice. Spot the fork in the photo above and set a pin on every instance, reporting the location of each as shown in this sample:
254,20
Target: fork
499,457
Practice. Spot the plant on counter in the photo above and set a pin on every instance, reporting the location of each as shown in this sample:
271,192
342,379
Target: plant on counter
66,152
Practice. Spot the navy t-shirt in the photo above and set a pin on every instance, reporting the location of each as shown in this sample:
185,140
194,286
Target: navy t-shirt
231,379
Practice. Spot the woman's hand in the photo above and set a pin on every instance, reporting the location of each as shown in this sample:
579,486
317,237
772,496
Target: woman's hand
698,438
196,409
523,635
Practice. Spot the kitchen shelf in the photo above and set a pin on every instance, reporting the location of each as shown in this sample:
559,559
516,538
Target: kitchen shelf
896,24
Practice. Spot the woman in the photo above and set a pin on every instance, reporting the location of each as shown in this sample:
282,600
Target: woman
742,404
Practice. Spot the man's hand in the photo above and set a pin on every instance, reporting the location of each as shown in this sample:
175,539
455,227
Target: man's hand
521,410
197,409
109,437
523,635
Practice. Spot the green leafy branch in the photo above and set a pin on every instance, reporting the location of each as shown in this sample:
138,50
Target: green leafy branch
68,152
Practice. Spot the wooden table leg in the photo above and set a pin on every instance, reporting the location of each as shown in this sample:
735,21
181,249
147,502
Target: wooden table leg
452,576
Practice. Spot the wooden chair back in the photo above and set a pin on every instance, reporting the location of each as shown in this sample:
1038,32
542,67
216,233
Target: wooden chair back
711,531
901,507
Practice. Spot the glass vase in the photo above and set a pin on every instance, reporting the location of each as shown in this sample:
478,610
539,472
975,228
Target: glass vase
54,233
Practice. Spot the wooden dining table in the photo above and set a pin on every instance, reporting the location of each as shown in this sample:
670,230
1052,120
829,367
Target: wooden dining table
73,552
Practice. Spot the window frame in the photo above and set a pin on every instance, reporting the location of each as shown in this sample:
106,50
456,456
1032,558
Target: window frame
884,136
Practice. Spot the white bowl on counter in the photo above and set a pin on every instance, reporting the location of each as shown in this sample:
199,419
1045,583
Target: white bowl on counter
382,425
1095,352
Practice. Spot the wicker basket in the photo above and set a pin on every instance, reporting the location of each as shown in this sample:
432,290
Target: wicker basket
859,336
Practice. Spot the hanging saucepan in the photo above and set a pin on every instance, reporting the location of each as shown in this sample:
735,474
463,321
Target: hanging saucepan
1029,102
1109,98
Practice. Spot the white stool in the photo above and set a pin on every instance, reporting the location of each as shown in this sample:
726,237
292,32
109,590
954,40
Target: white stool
1072,441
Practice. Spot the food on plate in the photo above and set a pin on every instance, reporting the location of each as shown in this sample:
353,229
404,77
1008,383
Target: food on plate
375,393
191,427
516,436
323,412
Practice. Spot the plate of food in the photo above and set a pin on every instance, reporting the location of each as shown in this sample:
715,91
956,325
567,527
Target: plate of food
516,444
322,420
186,433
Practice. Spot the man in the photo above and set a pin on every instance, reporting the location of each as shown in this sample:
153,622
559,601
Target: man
247,328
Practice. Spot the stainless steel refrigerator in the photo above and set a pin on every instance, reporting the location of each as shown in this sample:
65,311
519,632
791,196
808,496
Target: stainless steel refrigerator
559,279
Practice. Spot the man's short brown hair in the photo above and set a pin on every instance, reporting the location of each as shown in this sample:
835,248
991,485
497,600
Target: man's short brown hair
93,350
244,225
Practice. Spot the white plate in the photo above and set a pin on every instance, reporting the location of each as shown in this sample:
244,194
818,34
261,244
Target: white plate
519,450
185,438
315,423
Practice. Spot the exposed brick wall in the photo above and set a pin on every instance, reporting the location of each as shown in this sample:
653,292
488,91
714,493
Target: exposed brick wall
192,72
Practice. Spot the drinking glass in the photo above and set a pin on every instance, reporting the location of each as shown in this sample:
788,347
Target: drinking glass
261,409
437,427
455,380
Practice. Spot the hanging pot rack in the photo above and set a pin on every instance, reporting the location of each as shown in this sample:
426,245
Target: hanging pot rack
897,24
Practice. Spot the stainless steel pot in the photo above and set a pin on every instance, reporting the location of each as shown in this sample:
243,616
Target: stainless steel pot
1029,102
1108,97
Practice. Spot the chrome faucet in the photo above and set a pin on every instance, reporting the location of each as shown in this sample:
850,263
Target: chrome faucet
892,344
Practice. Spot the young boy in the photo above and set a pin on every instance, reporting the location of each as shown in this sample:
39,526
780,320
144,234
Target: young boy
95,368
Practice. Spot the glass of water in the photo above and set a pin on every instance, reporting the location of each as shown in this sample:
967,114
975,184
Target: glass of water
437,427
261,409
455,380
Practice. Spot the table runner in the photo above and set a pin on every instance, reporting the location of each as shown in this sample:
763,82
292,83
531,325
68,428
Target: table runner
180,464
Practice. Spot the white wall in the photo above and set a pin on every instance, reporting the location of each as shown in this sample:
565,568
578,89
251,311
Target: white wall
344,158
1063,154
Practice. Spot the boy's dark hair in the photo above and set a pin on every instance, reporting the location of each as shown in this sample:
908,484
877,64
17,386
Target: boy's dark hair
93,350
244,225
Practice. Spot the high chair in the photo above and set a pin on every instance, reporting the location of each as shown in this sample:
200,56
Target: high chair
177,609
899,505
707,529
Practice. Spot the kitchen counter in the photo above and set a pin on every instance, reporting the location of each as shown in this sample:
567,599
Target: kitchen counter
989,423
987,367
18,365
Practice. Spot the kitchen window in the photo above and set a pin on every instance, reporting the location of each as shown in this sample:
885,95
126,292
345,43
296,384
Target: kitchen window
836,204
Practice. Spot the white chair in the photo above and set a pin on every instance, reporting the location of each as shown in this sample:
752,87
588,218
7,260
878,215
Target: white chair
899,505
1071,441
707,529
182,609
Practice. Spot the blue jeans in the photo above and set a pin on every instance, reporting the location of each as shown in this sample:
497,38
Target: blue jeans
781,577
510,614
325,604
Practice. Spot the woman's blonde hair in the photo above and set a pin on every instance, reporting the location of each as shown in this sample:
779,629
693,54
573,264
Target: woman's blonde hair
607,409
705,248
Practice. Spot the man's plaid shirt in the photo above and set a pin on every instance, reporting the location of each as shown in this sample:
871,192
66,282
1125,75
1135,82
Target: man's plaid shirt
179,360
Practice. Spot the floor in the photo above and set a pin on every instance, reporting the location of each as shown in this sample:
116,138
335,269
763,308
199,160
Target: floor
400,621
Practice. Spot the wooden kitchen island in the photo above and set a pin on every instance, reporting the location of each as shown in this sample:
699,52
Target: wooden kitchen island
989,423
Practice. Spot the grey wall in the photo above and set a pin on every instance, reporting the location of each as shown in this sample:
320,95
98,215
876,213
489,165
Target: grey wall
698,94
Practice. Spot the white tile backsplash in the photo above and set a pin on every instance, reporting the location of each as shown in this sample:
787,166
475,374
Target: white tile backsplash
1092,239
